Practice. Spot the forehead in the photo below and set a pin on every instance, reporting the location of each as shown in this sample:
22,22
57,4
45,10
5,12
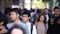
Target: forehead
42,16
17,31
25,15
12,12
56,9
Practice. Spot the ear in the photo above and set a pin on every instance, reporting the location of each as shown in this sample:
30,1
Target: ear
29,17
17,15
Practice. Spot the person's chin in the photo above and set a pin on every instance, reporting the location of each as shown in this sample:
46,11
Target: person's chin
12,20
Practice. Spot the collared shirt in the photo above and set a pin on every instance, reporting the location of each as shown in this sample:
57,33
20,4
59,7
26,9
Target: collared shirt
34,31
10,25
47,18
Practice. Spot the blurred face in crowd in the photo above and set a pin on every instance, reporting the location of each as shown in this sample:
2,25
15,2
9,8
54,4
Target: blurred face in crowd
25,18
42,18
13,16
46,11
56,11
16,31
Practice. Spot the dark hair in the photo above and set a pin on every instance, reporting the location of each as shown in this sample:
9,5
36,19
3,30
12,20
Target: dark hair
16,10
56,8
44,17
17,27
3,18
27,13
46,9
7,9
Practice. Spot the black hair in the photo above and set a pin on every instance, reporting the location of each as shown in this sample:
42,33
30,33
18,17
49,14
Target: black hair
16,10
17,27
45,8
56,8
27,13
3,18
7,9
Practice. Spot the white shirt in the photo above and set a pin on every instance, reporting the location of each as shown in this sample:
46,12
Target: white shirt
47,18
34,31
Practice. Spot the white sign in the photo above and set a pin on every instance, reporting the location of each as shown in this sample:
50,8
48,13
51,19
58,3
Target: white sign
27,4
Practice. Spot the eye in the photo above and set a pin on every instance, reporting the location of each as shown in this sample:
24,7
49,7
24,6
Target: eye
0,29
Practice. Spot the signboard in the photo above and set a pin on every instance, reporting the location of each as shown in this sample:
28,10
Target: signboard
27,4
40,4
9,1
15,2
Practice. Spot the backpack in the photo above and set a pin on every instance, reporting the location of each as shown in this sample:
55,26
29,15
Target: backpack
31,28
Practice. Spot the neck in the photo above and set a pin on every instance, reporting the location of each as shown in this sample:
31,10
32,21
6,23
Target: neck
16,21
27,21
42,21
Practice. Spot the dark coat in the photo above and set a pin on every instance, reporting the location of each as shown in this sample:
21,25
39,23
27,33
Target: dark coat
55,28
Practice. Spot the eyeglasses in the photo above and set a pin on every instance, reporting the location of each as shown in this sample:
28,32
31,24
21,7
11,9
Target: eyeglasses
24,16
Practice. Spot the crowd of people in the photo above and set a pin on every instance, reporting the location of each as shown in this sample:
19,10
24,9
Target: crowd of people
33,21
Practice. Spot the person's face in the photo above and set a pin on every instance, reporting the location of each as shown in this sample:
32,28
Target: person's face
46,11
25,18
56,11
13,16
42,18
16,31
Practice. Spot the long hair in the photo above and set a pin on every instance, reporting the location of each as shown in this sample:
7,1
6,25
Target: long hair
42,14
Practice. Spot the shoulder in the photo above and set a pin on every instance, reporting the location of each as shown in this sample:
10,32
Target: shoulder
23,25
9,25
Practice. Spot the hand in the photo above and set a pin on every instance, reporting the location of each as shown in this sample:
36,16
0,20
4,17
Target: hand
3,31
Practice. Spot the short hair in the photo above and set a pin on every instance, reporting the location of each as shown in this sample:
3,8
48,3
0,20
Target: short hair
56,8
17,27
27,13
16,10
7,9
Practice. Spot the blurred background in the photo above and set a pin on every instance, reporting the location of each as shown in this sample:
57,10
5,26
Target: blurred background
49,9
42,4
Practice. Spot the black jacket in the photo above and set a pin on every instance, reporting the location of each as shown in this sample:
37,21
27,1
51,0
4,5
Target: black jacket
54,29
